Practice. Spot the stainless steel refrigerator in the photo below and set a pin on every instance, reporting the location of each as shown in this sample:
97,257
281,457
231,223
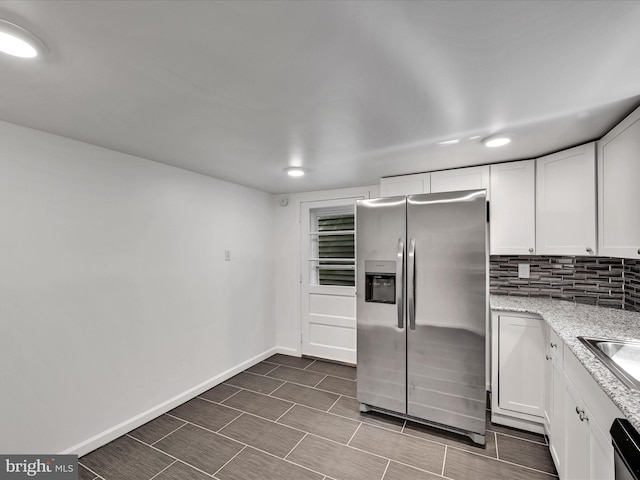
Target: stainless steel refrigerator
422,308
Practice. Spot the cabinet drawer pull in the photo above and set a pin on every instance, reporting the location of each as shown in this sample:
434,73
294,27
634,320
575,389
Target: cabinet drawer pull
531,250
554,345
589,250
548,357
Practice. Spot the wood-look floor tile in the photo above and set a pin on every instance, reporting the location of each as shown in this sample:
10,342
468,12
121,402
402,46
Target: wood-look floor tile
296,375
339,385
319,423
336,460
350,407
252,464
461,465
308,396
84,474
262,368
290,361
333,369
154,430
453,439
398,471
402,448
181,471
258,404
205,450
256,383
126,458
523,452
206,414
220,392
266,435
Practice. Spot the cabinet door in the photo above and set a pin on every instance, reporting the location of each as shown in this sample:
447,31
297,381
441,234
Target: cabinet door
557,434
577,436
512,208
405,185
618,192
548,381
470,178
566,202
521,364
601,460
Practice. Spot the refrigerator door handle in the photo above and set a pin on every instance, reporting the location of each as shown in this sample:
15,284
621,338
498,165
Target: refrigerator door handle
400,283
411,290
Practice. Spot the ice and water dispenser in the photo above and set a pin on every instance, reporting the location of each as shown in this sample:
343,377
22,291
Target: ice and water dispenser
380,281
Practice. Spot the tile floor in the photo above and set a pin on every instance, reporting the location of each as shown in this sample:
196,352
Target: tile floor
293,418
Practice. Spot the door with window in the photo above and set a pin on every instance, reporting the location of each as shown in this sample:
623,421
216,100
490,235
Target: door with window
328,303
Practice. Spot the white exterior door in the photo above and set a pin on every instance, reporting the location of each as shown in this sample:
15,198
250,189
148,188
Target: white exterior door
328,295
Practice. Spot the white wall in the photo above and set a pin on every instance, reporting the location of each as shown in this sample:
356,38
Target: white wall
287,261
116,303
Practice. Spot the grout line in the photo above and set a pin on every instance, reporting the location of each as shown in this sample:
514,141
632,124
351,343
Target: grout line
314,361
404,425
321,380
385,470
292,382
444,459
304,369
226,398
495,437
354,433
227,462
294,447
169,433
163,470
277,420
517,437
334,403
96,475
230,422
169,455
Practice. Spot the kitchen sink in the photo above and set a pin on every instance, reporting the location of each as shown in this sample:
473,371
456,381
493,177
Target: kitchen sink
622,357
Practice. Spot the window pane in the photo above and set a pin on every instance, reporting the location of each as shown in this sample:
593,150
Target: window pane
336,247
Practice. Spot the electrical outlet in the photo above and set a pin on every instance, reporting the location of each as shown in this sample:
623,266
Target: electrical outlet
524,270
227,255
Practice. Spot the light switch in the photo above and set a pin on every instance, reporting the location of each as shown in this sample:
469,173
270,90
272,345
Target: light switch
227,255
524,269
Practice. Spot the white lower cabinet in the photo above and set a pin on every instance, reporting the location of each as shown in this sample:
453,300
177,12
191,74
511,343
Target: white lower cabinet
518,371
539,385
588,415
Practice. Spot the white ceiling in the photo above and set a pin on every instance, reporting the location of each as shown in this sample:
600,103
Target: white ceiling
350,90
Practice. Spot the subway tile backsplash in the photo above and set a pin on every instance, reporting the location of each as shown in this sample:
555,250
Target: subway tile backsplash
604,281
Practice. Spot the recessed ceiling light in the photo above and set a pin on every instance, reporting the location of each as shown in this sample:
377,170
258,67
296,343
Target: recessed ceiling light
295,171
17,41
496,141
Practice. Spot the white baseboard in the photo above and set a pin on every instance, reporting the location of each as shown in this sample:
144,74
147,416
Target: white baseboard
130,424
288,351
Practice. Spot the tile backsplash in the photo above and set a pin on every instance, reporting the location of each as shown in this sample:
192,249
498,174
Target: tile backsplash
632,284
604,281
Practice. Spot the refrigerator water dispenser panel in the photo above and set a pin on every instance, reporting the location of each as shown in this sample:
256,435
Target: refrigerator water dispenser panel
380,281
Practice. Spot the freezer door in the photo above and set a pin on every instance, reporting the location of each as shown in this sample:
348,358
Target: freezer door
447,282
380,252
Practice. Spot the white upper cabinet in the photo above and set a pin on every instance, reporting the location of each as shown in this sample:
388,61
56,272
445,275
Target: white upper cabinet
619,189
470,178
405,185
566,202
512,208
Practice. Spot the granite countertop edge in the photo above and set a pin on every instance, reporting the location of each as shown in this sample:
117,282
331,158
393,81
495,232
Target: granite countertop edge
570,320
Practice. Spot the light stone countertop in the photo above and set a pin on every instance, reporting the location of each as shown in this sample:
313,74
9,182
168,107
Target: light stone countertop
569,320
